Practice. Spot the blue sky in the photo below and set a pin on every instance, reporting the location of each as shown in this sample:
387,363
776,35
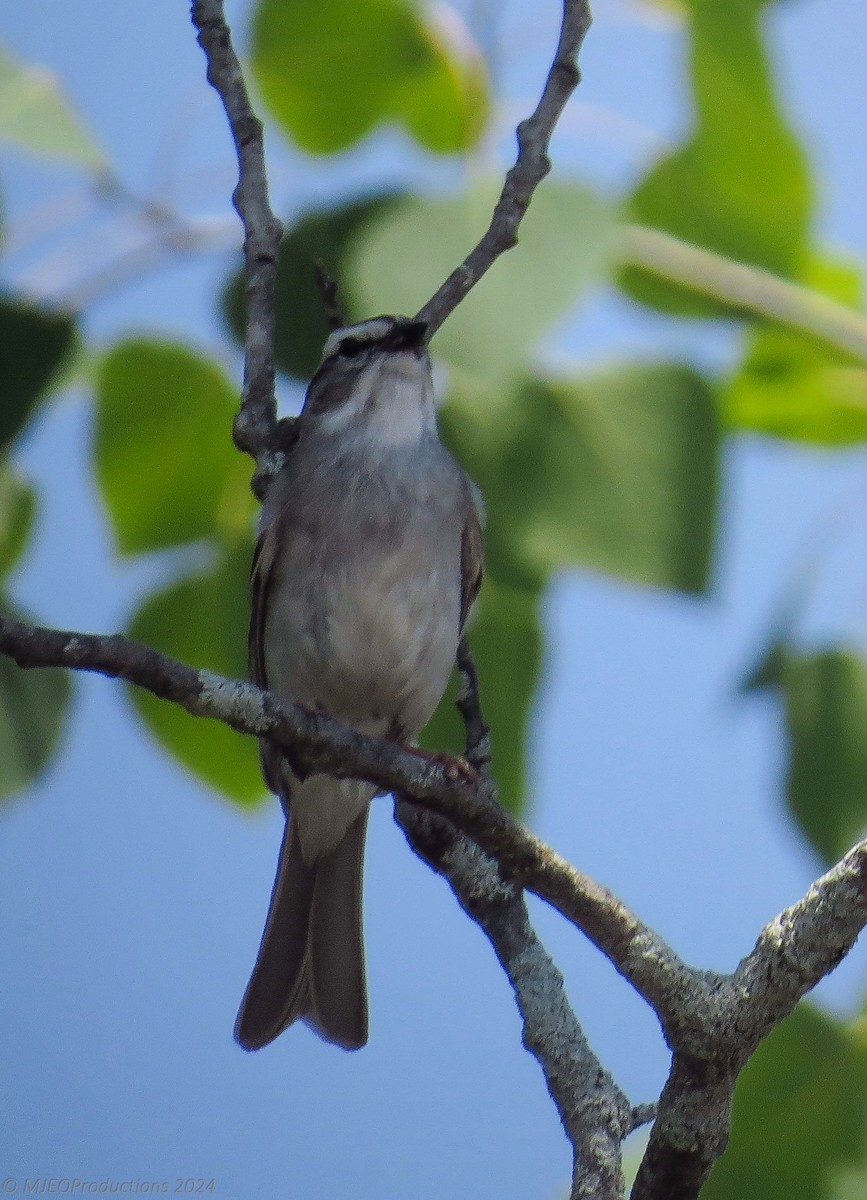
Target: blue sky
132,899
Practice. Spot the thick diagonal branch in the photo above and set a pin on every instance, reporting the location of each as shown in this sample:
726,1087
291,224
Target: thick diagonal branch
317,742
531,167
712,1022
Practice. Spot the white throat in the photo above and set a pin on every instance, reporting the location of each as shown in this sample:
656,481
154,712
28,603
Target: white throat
391,406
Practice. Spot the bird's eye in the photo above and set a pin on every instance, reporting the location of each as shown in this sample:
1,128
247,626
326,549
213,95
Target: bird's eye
349,347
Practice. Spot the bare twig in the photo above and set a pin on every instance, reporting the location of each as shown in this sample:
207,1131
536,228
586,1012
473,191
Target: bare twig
531,167
255,424
478,750
328,290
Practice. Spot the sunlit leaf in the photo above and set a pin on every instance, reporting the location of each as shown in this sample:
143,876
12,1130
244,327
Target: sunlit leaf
17,510
33,709
202,620
618,472
564,244
740,185
332,70
33,346
163,447
506,640
800,1112
321,237
35,115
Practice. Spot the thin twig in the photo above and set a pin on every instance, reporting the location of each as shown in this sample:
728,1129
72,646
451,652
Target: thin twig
328,290
255,424
531,167
478,732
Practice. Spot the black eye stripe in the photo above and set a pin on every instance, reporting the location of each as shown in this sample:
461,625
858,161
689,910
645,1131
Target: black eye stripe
350,346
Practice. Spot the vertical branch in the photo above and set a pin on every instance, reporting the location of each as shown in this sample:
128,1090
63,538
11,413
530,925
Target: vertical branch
256,430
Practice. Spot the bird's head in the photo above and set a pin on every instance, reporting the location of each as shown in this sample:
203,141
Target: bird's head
375,377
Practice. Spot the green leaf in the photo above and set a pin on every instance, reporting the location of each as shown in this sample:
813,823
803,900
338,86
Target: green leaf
826,714
747,196
33,709
565,243
506,640
202,620
36,116
301,326
332,70
790,385
33,346
800,1112
17,510
618,472
163,448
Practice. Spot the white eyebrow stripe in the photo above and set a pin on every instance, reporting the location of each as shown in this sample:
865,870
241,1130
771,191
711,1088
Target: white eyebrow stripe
364,331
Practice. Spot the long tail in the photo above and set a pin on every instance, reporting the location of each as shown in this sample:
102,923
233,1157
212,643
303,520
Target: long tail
311,960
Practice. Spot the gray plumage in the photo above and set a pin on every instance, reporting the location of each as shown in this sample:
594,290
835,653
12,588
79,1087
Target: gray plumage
368,560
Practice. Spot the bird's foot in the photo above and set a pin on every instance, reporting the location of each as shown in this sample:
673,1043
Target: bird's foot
456,768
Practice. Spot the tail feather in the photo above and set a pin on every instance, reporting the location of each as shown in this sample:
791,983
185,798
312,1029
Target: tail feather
310,964
337,1005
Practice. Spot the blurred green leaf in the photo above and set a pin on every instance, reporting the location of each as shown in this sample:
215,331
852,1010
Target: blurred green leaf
202,620
506,639
746,195
321,237
17,510
35,115
618,472
793,386
403,257
800,1112
849,1183
332,70
33,709
163,448
826,714
33,346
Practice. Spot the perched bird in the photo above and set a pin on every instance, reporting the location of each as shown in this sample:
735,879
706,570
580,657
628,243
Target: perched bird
368,560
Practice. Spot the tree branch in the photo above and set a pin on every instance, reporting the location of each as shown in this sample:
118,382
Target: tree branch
531,167
596,1115
747,287
711,1021
316,742
255,427
800,946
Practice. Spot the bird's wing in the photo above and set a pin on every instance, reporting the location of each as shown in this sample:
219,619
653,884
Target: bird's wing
471,562
261,579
